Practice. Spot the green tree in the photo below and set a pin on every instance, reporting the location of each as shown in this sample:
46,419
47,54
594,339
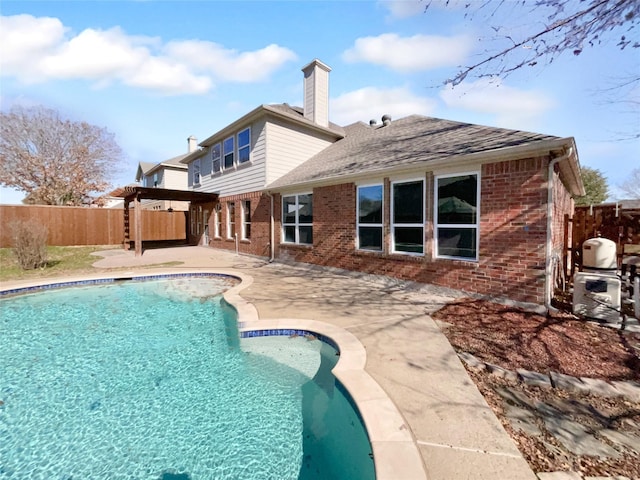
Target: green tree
55,161
595,184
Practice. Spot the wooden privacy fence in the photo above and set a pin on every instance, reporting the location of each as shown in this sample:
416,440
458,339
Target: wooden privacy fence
90,226
615,222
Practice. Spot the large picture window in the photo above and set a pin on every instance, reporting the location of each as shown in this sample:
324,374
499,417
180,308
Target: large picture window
407,217
370,218
297,219
228,147
456,216
244,145
216,158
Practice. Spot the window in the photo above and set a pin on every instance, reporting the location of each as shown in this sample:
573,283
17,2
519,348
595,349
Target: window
196,172
231,220
456,216
155,179
407,217
246,220
228,149
297,219
215,158
217,221
370,218
244,145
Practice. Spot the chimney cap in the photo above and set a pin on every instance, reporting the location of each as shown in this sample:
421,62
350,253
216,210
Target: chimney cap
386,119
315,62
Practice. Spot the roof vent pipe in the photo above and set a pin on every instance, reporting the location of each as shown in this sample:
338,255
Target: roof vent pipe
372,122
386,120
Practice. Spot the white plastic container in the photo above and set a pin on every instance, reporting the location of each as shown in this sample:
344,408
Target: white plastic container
599,255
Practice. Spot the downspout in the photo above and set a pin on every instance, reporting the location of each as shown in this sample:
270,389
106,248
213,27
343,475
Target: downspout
272,235
548,271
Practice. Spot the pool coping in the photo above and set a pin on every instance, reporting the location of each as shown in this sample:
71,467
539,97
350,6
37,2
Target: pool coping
395,451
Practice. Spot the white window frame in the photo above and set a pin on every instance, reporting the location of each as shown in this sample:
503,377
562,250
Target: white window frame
246,224
216,155
394,225
231,220
243,147
196,172
297,224
217,221
437,225
369,225
232,153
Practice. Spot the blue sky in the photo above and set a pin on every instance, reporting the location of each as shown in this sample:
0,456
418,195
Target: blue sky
155,72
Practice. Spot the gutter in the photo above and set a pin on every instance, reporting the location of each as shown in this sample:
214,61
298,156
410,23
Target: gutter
548,270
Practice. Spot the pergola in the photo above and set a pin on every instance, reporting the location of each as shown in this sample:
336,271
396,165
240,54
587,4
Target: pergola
135,194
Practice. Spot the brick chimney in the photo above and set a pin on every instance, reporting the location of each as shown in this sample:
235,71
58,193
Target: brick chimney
192,144
316,92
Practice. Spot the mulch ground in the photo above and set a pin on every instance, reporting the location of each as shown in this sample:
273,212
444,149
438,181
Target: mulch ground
512,338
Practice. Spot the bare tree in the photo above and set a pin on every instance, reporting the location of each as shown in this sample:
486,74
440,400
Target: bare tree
53,160
631,187
571,26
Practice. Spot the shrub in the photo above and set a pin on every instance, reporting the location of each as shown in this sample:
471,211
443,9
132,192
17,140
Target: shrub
30,244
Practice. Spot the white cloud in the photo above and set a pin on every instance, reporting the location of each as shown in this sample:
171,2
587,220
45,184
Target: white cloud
230,65
36,50
410,54
513,108
371,103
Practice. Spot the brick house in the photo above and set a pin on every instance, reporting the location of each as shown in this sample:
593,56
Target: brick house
465,206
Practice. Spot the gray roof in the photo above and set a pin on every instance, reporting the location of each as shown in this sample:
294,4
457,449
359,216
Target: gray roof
405,142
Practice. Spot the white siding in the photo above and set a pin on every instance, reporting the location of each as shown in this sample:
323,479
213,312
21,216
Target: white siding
248,177
288,146
175,179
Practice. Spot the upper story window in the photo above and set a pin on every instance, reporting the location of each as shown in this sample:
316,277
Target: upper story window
196,172
228,147
407,217
155,179
244,145
457,220
216,156
297,219
369,218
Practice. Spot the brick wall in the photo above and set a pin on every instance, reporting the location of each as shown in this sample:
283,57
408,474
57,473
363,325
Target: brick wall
512,235
259,241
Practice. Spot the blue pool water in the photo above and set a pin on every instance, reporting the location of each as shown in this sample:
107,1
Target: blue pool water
149,380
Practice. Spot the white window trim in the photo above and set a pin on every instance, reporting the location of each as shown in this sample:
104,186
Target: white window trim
196,171
358,224
217,224
213,171
436,225
244,222
297,223
393,225
247,146
229,222
225,153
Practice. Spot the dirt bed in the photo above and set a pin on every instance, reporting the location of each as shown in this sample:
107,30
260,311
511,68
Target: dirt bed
515,339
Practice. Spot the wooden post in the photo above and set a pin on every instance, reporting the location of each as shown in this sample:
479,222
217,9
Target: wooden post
138,234
127,225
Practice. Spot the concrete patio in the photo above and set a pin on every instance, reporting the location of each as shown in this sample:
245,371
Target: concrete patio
455,431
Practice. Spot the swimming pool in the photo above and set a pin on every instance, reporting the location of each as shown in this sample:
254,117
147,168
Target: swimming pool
151,380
